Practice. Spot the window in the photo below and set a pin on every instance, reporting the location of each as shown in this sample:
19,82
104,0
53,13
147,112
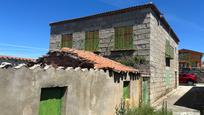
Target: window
124,37
66,40
92,40
194,64
184,56
169,50
126,89
168,62
169,53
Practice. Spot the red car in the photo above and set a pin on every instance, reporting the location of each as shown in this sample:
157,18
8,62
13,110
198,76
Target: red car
188,78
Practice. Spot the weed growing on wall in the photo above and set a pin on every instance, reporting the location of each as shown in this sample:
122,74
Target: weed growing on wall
132,61
143,110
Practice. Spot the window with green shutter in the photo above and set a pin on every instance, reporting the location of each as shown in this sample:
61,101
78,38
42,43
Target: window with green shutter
66,40
169,50
124,37
92,40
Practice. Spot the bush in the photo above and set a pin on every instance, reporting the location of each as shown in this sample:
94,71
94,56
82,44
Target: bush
132,61
147,110
143,110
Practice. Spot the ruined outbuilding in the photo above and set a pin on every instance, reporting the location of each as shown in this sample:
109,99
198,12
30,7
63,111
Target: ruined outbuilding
68,82
10,61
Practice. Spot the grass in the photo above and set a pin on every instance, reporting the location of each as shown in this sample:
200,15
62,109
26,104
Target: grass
143,110
147,110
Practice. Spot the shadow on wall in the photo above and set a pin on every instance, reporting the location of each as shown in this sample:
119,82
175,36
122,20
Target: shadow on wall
193,99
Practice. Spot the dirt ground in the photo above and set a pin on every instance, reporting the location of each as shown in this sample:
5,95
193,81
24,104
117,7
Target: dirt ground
186,100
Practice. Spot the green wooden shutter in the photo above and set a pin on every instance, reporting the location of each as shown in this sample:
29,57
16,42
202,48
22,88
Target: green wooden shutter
145,92
129,37
124,37
66,40
51,101
92,41
116,38
169,50
96,40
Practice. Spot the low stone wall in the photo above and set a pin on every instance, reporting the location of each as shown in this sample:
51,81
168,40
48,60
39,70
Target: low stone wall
89,92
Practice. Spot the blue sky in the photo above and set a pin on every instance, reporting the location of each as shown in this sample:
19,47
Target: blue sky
24,24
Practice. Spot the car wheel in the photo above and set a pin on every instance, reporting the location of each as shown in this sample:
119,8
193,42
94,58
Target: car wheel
190,83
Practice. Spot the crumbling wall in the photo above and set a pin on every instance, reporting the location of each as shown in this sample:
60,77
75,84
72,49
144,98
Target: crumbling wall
89,92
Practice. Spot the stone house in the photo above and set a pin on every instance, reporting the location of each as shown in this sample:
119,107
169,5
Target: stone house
68,82
134,31
190,59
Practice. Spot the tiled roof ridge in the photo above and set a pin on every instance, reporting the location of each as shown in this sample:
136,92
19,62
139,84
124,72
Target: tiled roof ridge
99,61
191,51
16,58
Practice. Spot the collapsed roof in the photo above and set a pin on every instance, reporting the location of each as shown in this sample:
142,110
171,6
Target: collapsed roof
67,57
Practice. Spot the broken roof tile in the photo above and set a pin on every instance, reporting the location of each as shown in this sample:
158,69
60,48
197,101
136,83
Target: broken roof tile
99,61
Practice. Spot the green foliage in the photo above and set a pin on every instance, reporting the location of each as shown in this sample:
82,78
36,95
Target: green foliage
132,61
143,110
121,110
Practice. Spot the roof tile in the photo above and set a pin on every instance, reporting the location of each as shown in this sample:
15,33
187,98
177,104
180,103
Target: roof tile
99,61
17,58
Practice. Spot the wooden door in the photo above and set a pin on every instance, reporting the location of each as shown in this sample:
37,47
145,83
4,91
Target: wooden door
145,91
51,101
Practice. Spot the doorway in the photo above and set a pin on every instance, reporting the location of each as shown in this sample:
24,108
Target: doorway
51,101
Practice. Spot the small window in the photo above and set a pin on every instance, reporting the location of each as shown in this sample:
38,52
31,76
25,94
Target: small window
66,40
168,62
92,40
175,50
126,89
124,37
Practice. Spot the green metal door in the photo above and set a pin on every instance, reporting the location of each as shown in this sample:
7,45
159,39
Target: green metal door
51,101
145,91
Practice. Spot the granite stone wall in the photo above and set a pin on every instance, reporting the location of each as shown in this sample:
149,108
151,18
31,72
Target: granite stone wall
163,79
140,20
149,38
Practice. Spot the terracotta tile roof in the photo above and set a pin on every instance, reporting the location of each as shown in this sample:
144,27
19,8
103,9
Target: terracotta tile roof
187,50
99,61
17,58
